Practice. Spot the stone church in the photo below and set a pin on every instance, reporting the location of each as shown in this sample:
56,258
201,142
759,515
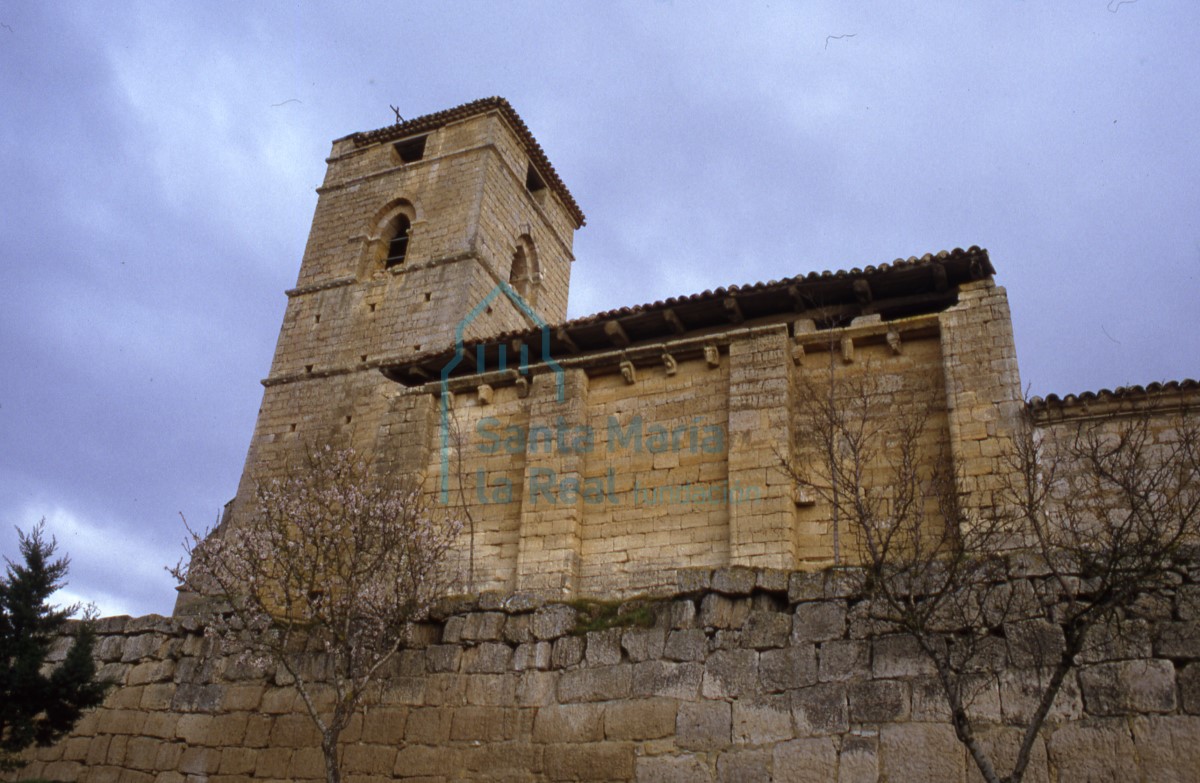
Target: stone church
634,452
432,296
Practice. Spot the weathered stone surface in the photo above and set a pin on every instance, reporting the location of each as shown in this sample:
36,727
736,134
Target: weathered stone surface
810,760
569,723
1117,641
792,667
683,613
773,580
532,655
1128,687
414,760
728,709
488,658
1187,602
671,680
484,724
858,761
202,698
368,759
764,630
1033,644
899,656
444,657
492,690
1021,691
705,725
385,725
428,725
1189,688
693,580
1175,640
452,630
806,586
483,626
536,689
762,720
640,719
843,659
878,701
1002,744
730,673
602,683
604,647
567,651
518,629
553,621
744,766
719,611
820,709
609,761
734,581
1167,746
818,621
686,645
926,752
844,582
981,696
684,768
644,644
1101,750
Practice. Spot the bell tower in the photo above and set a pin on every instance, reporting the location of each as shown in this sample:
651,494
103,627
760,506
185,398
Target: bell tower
415,224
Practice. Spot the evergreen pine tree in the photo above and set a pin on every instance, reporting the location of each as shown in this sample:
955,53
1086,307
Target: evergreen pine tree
36,706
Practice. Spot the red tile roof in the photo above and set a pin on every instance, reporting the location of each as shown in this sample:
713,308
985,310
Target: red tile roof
903,287
1120,394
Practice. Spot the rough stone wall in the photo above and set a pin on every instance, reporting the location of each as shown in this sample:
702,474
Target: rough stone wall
745,675
685,459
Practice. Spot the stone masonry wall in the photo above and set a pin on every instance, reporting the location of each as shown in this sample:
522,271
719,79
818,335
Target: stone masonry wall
744,675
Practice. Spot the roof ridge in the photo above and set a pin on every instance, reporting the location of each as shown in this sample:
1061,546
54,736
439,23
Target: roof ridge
1109,395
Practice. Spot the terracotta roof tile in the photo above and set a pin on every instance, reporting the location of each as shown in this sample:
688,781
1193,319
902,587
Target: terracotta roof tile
898,286
1113,395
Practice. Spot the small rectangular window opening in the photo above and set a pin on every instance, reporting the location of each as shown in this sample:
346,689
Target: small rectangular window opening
411,150
533,182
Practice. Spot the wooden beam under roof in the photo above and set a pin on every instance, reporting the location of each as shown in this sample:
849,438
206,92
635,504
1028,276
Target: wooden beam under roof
616,334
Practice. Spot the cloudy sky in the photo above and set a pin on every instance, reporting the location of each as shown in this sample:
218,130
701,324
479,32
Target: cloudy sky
159,165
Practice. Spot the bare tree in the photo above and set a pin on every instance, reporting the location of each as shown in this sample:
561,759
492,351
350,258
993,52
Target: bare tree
1087,519
325,581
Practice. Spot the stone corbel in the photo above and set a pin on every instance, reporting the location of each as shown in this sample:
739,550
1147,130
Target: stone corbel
893,341
628,371
670,364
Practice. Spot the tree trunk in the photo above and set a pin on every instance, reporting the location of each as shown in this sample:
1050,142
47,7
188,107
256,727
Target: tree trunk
329,740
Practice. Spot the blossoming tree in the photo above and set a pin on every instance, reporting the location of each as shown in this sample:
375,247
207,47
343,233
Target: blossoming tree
325,581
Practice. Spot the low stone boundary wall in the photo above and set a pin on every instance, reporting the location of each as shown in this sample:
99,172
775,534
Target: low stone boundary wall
744,675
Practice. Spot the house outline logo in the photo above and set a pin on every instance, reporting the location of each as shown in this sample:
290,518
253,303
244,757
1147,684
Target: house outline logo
519,302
